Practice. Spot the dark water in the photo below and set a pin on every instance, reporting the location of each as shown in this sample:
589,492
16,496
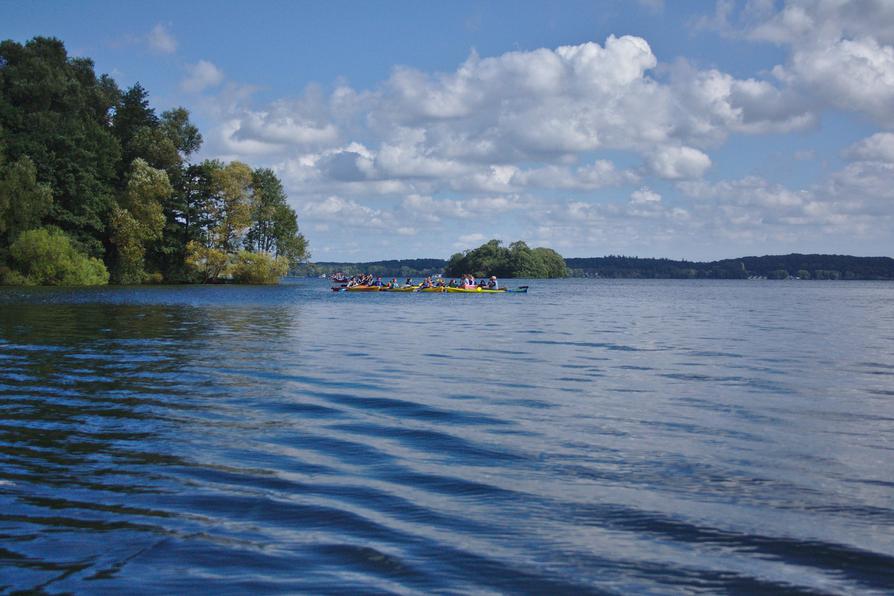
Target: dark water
589,436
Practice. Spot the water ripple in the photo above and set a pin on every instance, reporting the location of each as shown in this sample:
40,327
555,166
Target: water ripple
591,436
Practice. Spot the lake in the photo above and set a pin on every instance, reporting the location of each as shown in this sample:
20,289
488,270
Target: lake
590,436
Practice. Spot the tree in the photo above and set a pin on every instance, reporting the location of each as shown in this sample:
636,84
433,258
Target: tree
132,114
55,111
230,207
188,218
518,260
182,133
138,219
206,262
258,268
551,263
274,225
24,202
99,167
46,257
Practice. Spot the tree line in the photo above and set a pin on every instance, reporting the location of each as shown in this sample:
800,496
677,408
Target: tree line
813,266
95,186
822,267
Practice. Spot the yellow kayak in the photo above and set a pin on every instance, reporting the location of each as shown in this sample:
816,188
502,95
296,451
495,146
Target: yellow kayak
474,291
363,289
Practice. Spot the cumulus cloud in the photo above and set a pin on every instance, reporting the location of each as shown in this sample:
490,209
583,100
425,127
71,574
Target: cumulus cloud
544,120
201,76
161,40
840,53
644,196
572,139
348,213
479,207
878,147
679,162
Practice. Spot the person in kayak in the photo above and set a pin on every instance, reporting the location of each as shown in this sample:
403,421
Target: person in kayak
493,284
409,281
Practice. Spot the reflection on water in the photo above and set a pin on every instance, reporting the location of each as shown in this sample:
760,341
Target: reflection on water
589,436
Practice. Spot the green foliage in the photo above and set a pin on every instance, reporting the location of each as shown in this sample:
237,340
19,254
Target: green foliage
188,218
55,111
139,220
207,264
274,227
23,200
79,155
258,268
518,260
154,147
127,235
46,257
771,267
230,205
146,188
184,135
133,116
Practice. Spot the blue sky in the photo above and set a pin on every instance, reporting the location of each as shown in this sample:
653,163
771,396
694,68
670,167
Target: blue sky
406,129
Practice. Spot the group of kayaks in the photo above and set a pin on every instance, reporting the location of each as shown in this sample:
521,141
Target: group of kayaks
431,289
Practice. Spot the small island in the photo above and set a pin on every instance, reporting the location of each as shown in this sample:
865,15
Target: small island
96,187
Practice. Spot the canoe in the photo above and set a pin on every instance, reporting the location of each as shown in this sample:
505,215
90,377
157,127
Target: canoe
363,288
520,290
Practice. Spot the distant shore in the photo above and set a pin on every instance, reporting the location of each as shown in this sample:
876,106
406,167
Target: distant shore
791,266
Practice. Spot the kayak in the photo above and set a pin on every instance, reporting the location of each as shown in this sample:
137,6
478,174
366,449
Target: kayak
520,290
433,290
471,291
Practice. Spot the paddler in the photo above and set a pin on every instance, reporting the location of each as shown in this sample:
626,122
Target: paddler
493,284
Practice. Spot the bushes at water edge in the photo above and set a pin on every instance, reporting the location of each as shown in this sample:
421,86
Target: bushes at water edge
46,256
258,268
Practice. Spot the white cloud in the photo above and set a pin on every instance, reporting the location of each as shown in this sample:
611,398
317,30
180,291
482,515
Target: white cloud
349,213
200,76
568,141
840,53
470,240
435,209
522,120
849,74
679,162
878,147
644,196
161,40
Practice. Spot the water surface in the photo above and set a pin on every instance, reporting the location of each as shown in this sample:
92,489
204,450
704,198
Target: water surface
591,436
